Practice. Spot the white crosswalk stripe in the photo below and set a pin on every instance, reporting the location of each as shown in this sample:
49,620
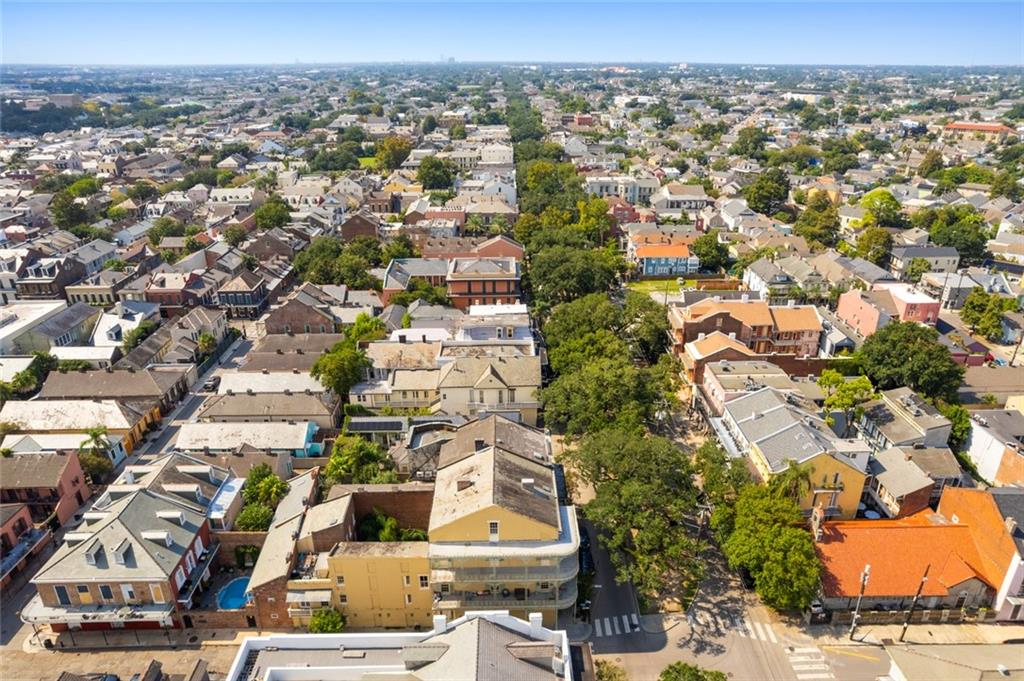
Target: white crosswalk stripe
809,664
616,625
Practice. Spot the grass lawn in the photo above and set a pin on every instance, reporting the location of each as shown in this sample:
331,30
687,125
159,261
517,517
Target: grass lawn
650,286
368,162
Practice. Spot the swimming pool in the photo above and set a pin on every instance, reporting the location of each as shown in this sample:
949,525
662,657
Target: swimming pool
232,595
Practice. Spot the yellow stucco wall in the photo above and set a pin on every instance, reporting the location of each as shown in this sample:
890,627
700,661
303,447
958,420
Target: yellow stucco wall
382,588
511,527
823,469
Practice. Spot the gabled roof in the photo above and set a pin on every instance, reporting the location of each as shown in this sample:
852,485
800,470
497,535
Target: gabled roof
122,527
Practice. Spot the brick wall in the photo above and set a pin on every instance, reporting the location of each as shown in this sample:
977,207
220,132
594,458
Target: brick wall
221,619
271,606
410,507
293,317
229,540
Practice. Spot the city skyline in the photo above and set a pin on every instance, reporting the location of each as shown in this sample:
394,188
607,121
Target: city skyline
230,33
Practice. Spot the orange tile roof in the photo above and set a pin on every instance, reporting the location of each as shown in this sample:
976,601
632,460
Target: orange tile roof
802,318
715,342
663,251
752,313
898,552
979,127
977,509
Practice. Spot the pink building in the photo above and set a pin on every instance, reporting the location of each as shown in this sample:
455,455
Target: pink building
48,483
912,305
868,311
865,311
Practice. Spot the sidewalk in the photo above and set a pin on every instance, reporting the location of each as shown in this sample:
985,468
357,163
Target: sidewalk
80,641
885,634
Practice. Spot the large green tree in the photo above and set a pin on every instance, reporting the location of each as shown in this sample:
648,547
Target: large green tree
340,369
561,273
712,254
605,393
875,245
392,151
434,173
909,354
768,193
766,538
273,213
682,671
644,493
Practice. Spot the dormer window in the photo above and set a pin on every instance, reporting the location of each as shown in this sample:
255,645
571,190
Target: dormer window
93,552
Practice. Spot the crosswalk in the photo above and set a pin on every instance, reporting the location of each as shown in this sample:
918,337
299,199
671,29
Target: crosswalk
741,625
809,664
616,625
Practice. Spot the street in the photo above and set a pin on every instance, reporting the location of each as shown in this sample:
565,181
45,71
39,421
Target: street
162,441
725,629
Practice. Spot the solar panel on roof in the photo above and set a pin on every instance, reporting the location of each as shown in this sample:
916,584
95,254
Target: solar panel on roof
370,426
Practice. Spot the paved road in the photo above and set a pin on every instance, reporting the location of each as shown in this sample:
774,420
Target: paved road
163,441
726,628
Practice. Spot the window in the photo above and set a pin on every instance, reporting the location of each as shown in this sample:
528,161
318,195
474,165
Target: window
446,588
492,530
340,579
424,582
343,599
179,577
408,599
82,588
407,580
62,595
128,591
106,593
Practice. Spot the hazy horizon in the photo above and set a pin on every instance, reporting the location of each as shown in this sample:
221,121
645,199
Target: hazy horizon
171,34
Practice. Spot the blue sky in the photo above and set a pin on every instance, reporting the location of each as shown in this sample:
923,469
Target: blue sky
156,32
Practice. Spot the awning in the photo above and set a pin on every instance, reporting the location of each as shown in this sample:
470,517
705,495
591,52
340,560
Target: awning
317,596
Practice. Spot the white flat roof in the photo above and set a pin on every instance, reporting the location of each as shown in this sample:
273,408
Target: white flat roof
270,382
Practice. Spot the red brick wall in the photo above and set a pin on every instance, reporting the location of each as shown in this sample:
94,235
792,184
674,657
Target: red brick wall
230,540
411,507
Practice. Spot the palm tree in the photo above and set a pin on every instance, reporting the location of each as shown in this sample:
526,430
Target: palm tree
6,392
206,343
96,441
794,482
92,454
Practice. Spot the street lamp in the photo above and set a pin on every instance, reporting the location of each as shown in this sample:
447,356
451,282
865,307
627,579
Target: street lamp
863,585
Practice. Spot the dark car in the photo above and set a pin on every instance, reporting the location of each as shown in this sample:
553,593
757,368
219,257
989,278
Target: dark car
212,384
746,578
586,561
584,538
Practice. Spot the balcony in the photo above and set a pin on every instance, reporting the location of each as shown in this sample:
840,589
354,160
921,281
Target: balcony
36,612
27,543
504,406
195,579
565,570
563,597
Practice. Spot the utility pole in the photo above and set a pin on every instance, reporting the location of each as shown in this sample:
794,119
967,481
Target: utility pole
863,585
913,603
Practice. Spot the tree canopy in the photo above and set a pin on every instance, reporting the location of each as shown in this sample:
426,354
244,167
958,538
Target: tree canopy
909,354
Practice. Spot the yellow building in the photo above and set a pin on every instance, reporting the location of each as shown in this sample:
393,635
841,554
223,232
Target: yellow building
499,539
382,585
775,430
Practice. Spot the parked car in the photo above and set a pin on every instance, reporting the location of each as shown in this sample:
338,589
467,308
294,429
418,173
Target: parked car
584,538
211,384
586,561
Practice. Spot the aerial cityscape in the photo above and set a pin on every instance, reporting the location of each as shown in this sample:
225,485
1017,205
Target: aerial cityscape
456,342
